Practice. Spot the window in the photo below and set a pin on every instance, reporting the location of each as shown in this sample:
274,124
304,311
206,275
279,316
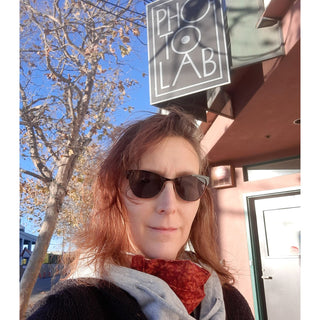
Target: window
272,169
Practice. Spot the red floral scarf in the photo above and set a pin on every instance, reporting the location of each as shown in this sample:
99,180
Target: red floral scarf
184,277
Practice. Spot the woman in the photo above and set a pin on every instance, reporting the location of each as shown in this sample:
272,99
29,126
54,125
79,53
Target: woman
151,203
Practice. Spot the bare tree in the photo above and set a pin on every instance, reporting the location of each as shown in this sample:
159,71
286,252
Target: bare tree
70,83
77,203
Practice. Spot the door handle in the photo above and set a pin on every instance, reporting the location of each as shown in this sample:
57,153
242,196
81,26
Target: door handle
266,277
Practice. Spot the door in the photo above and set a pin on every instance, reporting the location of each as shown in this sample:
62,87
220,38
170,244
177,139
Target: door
278,226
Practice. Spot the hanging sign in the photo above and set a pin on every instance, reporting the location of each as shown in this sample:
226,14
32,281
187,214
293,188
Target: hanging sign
187,47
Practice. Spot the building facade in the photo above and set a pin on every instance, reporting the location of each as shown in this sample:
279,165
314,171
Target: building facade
255,159
26,241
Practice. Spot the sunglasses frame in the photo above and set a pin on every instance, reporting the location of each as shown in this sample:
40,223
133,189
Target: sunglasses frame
203,179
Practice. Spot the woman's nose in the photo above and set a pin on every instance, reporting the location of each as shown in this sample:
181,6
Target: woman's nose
167,199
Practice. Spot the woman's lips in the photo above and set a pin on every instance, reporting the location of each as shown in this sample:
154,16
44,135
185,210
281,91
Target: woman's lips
164,229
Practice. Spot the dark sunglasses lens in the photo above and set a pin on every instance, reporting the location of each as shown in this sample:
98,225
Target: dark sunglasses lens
190,188
144,184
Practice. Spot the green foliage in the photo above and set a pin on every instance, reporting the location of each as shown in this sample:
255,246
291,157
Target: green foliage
51,258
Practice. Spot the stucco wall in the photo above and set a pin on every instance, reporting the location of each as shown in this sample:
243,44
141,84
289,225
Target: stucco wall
230,211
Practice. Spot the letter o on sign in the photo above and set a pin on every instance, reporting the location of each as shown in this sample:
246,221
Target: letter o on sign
189,11
186,39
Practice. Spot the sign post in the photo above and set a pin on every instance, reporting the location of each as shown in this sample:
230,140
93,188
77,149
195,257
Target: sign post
187,48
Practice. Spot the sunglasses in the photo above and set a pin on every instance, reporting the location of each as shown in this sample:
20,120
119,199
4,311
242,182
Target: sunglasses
145,184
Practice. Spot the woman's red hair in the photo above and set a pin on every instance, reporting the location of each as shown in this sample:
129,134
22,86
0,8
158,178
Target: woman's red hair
104,238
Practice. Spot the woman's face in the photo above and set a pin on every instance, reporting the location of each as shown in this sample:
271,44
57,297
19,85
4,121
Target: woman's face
160,226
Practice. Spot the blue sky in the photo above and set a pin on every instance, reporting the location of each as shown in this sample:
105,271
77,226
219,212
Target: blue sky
139,94
137,68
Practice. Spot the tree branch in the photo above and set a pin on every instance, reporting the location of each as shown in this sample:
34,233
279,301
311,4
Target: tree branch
34,152
32,174
46,143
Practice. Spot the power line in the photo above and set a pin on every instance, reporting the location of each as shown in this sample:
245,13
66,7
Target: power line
121,7
116,15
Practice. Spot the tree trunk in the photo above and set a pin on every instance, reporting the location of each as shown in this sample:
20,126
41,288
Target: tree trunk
57,194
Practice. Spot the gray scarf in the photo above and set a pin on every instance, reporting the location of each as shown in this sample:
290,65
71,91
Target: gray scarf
156,298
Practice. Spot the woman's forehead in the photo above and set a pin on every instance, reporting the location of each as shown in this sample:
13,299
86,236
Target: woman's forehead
172,155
